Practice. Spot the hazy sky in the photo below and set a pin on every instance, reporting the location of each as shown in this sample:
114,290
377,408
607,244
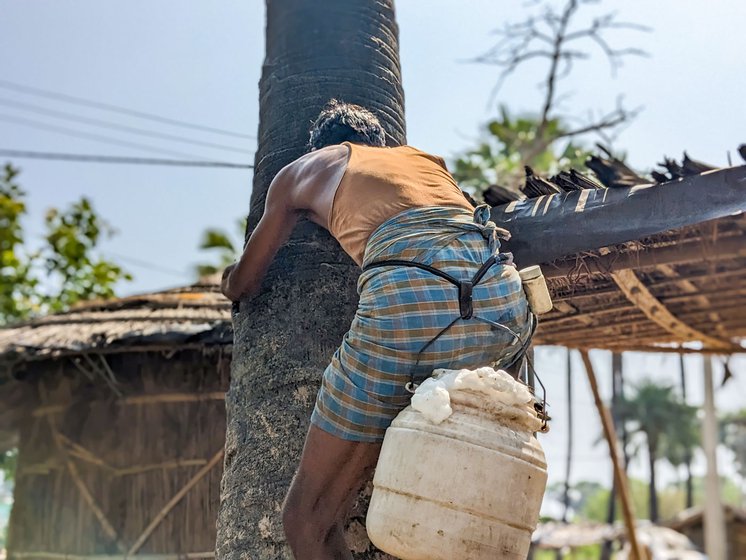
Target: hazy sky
200,62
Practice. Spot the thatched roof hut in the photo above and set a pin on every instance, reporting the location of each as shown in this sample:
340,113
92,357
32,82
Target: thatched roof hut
117,409
690,523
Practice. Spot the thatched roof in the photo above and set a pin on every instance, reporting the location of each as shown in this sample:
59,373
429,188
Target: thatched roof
681,286
662,542
651,291
192,316
693,517
554,535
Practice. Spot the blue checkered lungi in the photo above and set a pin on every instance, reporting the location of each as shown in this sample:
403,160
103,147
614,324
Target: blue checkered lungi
401,309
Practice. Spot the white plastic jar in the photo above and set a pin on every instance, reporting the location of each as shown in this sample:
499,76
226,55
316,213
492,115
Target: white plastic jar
468,488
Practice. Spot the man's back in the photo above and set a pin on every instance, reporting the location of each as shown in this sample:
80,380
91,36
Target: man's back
380,183
351,189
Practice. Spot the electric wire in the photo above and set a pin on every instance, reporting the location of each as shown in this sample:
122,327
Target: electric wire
148,265
113,126
88,136
56,156
116,109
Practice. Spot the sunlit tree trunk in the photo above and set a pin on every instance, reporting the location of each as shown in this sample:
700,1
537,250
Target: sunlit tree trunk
568,460
688,456
652,486
617,390
285,337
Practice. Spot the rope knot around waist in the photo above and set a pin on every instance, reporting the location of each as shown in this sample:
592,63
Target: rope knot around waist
488,228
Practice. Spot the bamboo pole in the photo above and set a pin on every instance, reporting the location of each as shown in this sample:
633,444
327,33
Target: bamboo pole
172,502
714,522
166,465
568,461
72,470
172,398
638,293
679,253
619,474
156,398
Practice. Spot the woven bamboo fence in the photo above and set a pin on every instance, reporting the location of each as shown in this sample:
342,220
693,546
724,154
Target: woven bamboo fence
121,460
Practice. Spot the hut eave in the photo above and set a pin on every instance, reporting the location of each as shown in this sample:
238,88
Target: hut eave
194,316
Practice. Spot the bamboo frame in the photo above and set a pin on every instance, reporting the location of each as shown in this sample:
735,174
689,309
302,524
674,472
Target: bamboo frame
173,501
166,465
80,452
653,349
157,398
88,498
654,310
45,468
619,474
636,319
680,253
65,351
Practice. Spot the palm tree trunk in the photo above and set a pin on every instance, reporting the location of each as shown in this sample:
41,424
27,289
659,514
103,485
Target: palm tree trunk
619,425
653,489
284,338
688,455
568,464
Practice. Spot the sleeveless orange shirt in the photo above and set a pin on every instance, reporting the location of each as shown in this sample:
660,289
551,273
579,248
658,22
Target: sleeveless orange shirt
382,182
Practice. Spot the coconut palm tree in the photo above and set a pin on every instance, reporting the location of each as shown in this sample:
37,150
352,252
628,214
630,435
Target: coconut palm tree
686,460
668,425
284,337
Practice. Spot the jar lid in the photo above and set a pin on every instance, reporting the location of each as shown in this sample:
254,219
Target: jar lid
530,272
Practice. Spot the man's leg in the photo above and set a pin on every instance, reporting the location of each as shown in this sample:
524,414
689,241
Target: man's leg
331,472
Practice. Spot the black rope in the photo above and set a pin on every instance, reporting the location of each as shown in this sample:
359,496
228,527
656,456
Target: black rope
465,305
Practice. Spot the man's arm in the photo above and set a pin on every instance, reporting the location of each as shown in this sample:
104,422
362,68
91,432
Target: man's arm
273,229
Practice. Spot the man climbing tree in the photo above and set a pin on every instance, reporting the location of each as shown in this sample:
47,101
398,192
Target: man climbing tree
286,335
400,216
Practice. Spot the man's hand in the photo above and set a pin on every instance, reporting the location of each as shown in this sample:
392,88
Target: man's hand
227,287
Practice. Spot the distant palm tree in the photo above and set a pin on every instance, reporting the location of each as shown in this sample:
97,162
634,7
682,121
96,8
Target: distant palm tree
733,435
686,459
668,424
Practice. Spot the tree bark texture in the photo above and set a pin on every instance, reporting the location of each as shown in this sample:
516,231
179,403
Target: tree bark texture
285,337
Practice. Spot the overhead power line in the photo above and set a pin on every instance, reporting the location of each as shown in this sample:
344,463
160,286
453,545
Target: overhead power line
117,109
120,159
113,126
88,136
148,265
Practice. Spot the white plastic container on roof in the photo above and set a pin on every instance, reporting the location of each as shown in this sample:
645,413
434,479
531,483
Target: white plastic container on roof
467,488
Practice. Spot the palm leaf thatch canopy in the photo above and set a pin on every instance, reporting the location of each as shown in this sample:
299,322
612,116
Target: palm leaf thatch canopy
196,316
634,265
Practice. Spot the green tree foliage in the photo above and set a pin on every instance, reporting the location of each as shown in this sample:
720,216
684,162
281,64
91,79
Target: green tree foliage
17,287
8,461
219,242
551,41
733,435
672,499
668,425
512,143
63,270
